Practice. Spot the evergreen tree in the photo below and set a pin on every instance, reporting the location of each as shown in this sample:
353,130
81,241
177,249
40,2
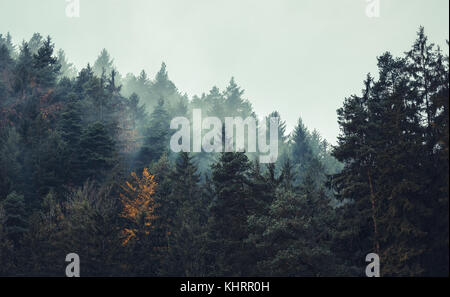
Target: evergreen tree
15,224
186,249
23,71
103,64
235,105
7,41
7,251
10,165
228,220
45,65
389,147
67,68
70,127
98,151
36,41
354,185
157,136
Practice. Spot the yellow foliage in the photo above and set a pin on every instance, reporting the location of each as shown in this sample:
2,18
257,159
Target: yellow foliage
138,204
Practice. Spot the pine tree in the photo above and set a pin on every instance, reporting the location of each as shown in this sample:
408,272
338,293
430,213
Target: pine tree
6,61
402,208
103,64
297,236
163,87
300,149
186,241
137,111
45,65
139,85
7,41
7,252
293,236
439,232
36,41
388,145
23,72
15,224
156,138
97,151
234,104
165,213
10,165
353,185
229,211
70,127
67,68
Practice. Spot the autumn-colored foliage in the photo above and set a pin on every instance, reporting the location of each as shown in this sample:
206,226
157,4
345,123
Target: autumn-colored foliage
138,205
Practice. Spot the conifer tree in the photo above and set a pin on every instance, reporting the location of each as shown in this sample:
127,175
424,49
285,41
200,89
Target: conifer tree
186,241
229,211
15,224
98,151
103,64
156,139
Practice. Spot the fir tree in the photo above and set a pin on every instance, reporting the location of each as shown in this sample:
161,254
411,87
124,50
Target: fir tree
15,224
229,211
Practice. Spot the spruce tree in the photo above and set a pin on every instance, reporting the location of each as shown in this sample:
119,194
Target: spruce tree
15,223
156,139
229,211
97,151
186,241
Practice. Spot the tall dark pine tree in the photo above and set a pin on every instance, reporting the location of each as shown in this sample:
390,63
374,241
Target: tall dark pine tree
358,227
165,212
428,82
97,151
156,139
401,202
300,149
439,256
15,224
228,219
186,241
23,71
46,66
390,150
70,126
7,41
294,235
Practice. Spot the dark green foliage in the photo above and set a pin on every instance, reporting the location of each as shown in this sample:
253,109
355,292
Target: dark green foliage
156,137
69,141
15,223
98,151
390,150
45,65
186,248
294,234
230,208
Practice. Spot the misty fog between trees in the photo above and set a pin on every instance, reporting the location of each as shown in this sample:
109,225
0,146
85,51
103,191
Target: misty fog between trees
86,168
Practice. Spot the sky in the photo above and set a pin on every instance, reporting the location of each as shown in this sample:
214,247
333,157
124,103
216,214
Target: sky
299,57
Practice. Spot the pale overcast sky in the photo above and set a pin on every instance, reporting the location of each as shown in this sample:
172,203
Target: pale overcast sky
300,57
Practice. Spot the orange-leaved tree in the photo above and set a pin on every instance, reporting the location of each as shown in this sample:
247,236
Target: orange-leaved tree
138,206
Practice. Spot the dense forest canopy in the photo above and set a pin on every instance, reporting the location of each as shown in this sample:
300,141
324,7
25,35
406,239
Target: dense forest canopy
85,167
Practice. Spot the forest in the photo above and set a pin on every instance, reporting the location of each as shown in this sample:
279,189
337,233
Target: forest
86,168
